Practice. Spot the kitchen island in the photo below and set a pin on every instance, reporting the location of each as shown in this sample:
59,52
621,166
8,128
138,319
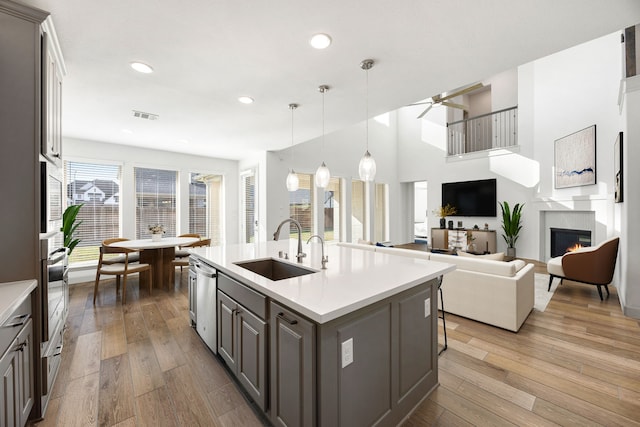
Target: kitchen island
355,344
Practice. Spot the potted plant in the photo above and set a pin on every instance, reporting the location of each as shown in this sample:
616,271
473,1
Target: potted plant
511,225
443,212
156,230
69,226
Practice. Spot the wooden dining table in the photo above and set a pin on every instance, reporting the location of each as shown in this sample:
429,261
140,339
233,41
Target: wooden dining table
159,254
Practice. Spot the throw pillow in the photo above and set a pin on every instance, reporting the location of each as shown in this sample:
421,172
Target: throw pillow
494,257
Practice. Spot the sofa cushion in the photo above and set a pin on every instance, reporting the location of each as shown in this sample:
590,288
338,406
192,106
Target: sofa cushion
496,257
488,266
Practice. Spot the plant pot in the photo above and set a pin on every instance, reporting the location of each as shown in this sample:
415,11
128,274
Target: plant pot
443,223
156,237
511,252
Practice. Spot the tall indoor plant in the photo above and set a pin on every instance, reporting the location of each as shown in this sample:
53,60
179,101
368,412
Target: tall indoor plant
511,225
69,226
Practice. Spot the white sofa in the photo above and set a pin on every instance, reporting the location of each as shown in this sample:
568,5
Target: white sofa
494,292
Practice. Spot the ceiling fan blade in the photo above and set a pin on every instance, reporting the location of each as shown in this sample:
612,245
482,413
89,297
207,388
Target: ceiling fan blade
425,111
420,103
462,91
454,105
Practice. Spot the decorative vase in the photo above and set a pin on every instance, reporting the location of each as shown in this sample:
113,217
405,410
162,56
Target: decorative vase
156,237
511,252
450,225
443,223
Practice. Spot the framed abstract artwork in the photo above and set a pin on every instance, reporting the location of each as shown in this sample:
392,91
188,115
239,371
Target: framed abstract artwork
618,170
575,159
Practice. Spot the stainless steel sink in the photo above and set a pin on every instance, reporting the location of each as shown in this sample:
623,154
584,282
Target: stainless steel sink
273,269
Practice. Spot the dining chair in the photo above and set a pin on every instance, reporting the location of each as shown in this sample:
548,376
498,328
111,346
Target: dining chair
180,253
119,269
133,256
184,261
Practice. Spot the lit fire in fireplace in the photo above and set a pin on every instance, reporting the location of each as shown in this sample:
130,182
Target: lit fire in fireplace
574,247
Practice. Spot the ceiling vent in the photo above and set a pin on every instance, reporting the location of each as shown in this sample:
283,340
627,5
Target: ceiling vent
146,116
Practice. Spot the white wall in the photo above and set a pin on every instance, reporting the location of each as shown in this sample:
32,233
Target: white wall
342,152
130,157
629,289
556,96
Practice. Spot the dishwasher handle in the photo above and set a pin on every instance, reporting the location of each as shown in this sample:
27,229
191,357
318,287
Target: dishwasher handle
203,270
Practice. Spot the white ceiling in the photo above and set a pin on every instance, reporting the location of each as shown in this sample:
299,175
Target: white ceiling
206,53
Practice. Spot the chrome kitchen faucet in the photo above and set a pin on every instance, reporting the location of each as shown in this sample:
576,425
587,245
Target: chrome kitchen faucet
276,235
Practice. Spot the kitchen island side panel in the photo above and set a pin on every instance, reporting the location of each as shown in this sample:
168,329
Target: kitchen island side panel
376,388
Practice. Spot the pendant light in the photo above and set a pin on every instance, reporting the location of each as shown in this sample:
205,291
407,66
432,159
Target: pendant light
322,174
292,178
367,166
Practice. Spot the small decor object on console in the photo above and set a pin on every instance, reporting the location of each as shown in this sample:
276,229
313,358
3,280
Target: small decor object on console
156,230
443,212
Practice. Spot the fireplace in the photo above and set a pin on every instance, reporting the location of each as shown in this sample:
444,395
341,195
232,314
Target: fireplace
564,240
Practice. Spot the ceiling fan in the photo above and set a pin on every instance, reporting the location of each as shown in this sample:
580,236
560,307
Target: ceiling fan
442,99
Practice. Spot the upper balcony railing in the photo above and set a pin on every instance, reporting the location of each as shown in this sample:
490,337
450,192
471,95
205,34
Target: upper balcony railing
486,132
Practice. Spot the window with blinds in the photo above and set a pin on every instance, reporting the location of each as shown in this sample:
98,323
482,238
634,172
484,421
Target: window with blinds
357,210
249,206
97,187
332,210
301,206
205,204
155,200
381,221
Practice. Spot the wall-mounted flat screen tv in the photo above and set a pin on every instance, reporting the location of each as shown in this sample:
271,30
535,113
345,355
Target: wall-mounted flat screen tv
471,198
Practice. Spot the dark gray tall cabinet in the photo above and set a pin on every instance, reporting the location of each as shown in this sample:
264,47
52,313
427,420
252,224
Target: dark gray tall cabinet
29,109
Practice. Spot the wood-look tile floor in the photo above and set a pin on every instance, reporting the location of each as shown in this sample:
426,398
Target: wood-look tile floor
576,364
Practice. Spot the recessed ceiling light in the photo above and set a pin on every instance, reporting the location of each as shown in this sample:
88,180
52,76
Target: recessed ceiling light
129,131
245,99
320,41
183,141
141,67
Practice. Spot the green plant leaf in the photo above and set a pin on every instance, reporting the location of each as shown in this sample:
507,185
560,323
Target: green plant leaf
69,226
511,222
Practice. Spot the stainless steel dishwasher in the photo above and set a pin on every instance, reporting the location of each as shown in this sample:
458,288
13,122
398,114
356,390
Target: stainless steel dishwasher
206,304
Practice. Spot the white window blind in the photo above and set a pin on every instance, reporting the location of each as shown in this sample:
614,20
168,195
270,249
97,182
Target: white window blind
301,205
197,204
249,206
155,200
381,221
357,210
97,186
205,206
332,210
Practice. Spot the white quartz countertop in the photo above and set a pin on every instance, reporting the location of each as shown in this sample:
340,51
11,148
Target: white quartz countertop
353,279
12,294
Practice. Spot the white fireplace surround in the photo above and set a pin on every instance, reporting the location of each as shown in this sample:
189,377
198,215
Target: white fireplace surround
576,220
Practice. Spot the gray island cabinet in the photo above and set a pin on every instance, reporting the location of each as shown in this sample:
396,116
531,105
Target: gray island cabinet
353,345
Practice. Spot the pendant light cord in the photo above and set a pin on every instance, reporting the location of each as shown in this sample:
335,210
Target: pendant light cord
292,107
322,153
367,109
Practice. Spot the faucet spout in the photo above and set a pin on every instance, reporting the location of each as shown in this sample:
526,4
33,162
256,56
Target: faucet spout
276,236
324,259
